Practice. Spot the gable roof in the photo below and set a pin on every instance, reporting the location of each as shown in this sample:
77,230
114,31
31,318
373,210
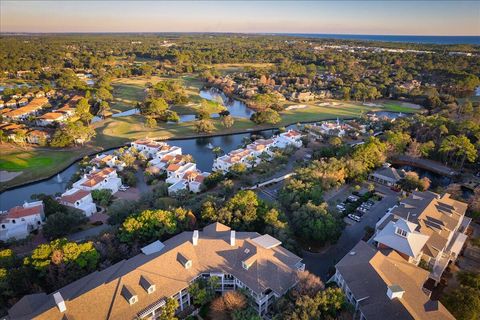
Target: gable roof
369,273
98,294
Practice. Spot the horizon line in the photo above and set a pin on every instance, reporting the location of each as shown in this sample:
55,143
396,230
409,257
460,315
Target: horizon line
230,32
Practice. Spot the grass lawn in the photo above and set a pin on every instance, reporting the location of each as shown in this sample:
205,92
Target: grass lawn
192,108
35,163
235,67
398,107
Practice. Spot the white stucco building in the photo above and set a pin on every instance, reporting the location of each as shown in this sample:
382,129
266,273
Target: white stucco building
19,221
106,178
79,199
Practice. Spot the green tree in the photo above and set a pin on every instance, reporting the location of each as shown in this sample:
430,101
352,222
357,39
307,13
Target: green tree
103,94
102,196
268,115
227,121
83,111
167,312
154,107
104,109
63,223
204,126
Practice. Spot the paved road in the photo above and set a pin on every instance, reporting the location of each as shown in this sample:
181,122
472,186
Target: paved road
85,234
320,263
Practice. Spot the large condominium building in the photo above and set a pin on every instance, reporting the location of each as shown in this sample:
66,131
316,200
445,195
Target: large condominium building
425,226
137,288
18,222
385,286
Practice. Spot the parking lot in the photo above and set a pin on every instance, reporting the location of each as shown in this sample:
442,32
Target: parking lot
321,263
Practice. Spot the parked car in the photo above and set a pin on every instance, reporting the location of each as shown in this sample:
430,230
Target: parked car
352,198
354,217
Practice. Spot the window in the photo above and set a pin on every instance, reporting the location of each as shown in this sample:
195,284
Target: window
13,221
401,232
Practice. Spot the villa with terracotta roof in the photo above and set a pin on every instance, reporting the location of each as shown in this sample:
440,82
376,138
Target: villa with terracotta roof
11,103
148,147
18,222
385,286
250,155
30,109
109,160
22,102
137,288
79,199
106,178
425,227
50,118
37,136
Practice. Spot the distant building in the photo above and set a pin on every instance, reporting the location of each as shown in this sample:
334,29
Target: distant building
425,227
137,288
108,160
30,109
50,118
18,222
387,175
79,199
148,147
37,136
385,286
250,155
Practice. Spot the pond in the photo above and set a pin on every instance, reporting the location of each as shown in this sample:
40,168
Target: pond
436,179
387,114
236,108
197,147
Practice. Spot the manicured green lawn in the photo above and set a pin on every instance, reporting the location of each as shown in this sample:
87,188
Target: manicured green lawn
193,108
35,163
131,92
398,107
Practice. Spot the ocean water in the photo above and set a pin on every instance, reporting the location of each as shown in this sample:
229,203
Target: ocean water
475,40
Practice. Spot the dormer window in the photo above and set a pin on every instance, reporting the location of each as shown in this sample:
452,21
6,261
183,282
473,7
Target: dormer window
129,294
147,284
187,263
245,266
401,232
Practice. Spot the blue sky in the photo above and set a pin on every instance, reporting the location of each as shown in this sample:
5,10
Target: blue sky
355,17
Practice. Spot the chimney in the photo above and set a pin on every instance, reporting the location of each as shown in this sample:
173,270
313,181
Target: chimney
395,291
195,238
232,238
60,302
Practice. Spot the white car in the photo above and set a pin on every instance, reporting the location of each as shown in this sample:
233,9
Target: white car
354,217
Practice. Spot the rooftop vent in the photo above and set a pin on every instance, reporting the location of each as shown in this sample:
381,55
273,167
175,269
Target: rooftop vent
147,284
129,294
232,238
395,291
352,253
195,238
60,302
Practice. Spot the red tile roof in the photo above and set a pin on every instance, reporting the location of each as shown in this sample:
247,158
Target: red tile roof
72,198
19,212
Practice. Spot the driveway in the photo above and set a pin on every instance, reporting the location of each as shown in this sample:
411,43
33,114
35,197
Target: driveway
321,263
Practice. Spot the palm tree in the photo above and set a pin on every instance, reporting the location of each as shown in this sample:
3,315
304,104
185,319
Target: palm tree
217,151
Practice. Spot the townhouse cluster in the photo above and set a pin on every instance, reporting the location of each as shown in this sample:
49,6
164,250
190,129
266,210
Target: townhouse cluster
395,272
18,129
139,287
181,173
336,129
250,155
